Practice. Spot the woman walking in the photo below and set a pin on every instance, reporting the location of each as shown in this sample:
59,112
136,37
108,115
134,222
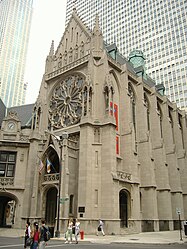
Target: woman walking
69,231
77,230
35,234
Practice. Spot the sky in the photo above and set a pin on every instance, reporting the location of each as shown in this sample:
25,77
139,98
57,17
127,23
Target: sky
48,23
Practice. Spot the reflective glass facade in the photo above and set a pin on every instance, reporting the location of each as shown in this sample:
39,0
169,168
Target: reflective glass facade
157,27
15,19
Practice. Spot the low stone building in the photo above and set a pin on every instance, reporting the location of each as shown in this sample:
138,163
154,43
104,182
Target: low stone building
105,132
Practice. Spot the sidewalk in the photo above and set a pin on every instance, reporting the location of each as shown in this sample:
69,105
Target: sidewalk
166,237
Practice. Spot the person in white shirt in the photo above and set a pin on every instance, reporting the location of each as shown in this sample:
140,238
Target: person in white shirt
77,230
100,228
69,231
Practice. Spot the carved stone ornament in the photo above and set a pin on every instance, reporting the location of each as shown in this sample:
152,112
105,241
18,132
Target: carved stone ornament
65,106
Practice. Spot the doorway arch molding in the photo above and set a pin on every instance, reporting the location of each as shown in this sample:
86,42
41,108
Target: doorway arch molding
124,207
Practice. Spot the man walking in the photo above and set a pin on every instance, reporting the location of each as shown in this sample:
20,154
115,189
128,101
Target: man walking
43,228
100,228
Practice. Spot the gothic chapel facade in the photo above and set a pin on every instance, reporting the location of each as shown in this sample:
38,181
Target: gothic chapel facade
124,159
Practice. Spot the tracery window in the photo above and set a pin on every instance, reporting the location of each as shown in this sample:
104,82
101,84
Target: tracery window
82,49
76,52
171,123
65,105
180,126
159,112
133,111
106,95
70,55
90,100
133,105
65,57
85,96
146,104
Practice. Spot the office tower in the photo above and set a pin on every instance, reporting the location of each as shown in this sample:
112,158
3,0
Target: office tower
158,28
15,22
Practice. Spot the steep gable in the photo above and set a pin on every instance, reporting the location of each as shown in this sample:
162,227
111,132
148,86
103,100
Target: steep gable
73,45
2,111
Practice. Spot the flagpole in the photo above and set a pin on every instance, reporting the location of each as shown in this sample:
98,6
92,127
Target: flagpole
61,145
57,232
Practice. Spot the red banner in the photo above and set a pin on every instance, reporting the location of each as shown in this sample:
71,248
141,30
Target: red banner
117,145
116,115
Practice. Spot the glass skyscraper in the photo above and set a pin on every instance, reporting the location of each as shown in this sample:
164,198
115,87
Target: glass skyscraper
156,27
15,22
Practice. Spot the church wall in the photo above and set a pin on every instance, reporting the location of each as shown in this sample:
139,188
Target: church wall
147,166
114,152
161,171
181,156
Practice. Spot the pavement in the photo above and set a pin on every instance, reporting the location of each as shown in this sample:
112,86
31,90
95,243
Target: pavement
166,237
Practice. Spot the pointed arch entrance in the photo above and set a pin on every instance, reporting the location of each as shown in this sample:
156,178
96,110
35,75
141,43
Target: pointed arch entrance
124,207
51,206
7,209
50,184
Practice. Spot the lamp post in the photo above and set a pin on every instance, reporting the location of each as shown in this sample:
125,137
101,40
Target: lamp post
60,141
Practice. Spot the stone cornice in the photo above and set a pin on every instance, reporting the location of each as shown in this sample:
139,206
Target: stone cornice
67,68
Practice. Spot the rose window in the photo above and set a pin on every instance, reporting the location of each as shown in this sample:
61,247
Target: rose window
65,107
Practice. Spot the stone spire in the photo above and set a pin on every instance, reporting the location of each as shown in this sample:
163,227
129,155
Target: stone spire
51,52
49,58
97,30
97,37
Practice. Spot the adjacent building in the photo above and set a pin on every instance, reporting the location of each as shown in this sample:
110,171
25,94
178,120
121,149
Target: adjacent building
124,159
15,22
158,28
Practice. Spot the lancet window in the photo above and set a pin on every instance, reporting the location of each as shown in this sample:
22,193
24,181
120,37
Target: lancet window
133,110
36,116
109,96
180,126
146,104
133,105
159,112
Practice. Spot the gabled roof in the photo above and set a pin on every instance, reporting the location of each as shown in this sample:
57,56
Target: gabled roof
77,19
24,113
2,111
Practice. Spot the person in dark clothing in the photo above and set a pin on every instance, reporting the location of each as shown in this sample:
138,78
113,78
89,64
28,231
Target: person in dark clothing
42,244
27,233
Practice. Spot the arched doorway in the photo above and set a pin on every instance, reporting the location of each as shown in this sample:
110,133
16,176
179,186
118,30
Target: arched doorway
7,211
51,205
123,205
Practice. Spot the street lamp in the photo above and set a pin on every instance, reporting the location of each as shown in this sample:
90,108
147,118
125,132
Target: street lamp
60,141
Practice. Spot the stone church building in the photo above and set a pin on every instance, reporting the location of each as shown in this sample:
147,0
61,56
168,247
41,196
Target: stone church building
102,135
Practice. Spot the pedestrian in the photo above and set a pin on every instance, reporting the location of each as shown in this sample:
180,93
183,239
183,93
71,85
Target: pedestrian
42,243
27,233
35,234
77,230
100,227
69,231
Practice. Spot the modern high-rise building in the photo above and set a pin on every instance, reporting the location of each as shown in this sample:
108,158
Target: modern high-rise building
15,22
157,27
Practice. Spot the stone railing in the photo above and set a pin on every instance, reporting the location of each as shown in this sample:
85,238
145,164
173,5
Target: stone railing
67,67
6,181
51,177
